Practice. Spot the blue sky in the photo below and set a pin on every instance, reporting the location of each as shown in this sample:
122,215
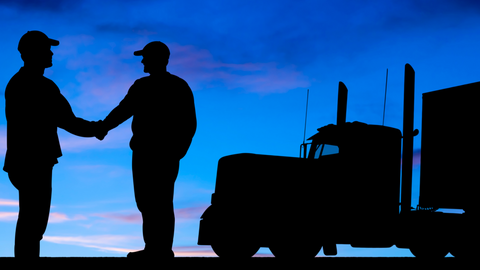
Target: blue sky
249,64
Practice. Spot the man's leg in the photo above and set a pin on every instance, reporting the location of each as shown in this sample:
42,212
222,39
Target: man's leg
154,181
35,192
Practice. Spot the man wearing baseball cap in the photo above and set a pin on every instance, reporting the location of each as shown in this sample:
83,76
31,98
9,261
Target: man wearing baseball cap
164,123
34,108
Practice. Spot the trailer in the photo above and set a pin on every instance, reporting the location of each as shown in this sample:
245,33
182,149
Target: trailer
352,185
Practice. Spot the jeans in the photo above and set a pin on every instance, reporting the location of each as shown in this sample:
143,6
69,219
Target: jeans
34,187
153,180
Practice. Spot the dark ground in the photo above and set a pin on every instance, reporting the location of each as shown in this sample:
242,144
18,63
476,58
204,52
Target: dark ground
250,264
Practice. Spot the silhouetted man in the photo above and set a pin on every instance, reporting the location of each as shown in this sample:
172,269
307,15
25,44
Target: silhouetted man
34,108
163,126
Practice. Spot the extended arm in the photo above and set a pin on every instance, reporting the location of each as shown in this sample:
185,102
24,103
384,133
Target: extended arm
118,115
67,120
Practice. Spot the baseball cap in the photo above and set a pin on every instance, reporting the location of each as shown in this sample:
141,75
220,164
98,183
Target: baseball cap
33,40
154,48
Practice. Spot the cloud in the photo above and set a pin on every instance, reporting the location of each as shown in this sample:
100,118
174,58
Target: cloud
8,216
113,171
190,212
3,140
103,76
7,202
54,217
202,70
44,5
194,251
100,242
119,243
135,217
57,217
117,138
120,217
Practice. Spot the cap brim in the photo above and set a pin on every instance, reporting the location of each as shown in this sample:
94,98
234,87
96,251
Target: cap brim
53,42
138,53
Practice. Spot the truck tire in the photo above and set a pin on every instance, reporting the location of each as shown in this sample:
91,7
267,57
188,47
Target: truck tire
463,252
234,250
292,251
429,250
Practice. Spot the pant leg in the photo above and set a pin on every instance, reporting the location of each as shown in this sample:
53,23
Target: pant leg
35,193
154,181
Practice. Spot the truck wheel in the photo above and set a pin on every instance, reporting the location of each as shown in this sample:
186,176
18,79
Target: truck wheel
432,251
462,252
285,251
234,250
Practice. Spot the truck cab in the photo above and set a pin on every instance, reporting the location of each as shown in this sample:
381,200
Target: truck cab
282,202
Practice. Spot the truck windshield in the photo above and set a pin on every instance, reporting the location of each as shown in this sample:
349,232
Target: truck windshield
325,149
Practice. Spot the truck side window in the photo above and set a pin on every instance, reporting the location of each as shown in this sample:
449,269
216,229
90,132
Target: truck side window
325,149
329,149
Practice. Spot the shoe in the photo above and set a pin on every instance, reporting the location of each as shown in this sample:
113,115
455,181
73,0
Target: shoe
137,254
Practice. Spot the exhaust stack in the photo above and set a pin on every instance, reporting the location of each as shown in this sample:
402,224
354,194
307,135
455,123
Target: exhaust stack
408,134
342,104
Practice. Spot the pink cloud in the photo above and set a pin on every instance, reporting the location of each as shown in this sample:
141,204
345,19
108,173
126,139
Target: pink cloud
117,138
194,251
201,70
3,140
7,202
8,216
101,242
135,216
56,217
123,218
105,76
190,212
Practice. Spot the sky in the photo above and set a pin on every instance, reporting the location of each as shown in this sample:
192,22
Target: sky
249,64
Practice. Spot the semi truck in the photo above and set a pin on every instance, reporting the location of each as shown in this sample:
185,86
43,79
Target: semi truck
352,184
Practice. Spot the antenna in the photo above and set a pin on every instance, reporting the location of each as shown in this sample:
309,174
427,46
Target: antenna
385,100
304,145
306,111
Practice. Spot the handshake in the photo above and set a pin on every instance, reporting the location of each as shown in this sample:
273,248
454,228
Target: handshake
99,130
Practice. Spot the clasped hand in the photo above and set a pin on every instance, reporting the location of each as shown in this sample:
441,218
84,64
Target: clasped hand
100,131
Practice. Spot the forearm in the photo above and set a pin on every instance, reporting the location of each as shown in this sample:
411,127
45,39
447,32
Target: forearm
80,127
117,116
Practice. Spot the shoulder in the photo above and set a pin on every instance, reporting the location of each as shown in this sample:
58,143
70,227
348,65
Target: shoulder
52,85
176,79
178,83
143,80
139,84
21,84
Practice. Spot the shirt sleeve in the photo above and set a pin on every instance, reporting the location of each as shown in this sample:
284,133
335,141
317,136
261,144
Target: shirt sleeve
123,111
187,123
67,120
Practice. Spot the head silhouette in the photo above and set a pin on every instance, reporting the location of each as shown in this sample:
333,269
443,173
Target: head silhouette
34,47
155,57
